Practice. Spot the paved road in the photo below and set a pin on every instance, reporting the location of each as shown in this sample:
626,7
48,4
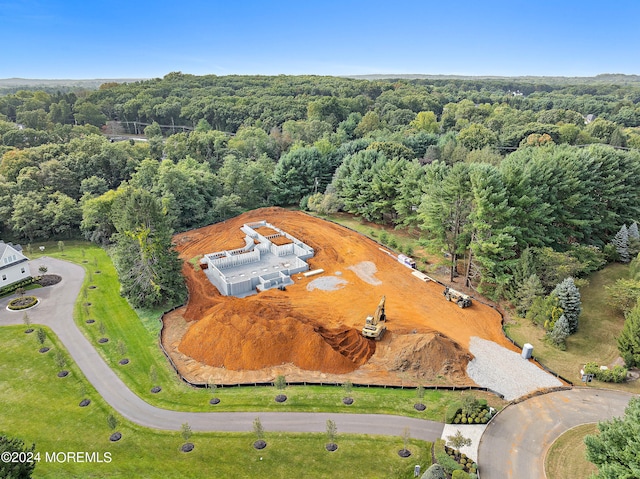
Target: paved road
514,445
56,311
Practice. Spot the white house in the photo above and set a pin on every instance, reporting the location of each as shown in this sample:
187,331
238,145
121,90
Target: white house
14,266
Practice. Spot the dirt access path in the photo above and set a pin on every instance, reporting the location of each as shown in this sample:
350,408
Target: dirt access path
312,333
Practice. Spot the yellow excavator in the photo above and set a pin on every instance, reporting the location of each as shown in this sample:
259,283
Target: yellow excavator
376,325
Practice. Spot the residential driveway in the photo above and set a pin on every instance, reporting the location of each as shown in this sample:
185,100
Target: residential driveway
514,445
56,311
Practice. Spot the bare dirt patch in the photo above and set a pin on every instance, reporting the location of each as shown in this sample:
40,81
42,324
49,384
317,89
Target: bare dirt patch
314,335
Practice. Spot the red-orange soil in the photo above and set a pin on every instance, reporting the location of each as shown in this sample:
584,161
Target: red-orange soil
315,335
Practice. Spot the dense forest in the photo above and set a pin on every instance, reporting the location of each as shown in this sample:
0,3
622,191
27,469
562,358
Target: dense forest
521,179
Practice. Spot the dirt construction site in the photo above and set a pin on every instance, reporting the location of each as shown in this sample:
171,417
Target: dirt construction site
311,330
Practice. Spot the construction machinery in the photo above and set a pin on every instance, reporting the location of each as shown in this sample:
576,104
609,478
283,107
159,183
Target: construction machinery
461,299
376,325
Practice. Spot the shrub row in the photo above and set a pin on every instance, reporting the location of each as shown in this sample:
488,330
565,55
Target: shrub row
447,463
14,307
468,464
13,286
616,375
463,475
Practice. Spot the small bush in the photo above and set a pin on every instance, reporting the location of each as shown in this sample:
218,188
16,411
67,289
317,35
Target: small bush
453,410
434,472
459,475
616,375
448,464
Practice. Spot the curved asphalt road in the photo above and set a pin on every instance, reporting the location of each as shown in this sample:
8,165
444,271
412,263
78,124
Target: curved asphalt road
56,312
515,444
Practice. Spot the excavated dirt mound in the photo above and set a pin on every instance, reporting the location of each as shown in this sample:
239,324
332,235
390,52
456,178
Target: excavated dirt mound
315,334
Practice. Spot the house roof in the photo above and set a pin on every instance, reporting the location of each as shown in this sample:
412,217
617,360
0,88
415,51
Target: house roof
8,249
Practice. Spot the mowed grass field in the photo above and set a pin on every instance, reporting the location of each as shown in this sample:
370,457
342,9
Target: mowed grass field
41,408
566,456
596,339
138,330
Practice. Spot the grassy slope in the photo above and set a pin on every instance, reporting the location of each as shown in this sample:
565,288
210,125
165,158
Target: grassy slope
567,453
39,407
595,340
140,334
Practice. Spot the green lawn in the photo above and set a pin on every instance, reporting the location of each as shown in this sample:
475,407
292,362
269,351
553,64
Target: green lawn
139,331
39,407
566,456
599,326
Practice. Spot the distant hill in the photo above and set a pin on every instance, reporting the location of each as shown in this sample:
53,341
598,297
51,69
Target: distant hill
29,83
615,78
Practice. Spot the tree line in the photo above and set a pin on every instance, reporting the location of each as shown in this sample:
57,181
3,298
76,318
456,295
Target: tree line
487,176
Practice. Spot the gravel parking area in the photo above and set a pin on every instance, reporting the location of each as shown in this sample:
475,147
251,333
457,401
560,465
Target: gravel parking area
505,371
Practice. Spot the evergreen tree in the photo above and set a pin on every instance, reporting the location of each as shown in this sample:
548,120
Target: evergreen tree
634,239
629,339
621,242
560,332
615,449
529,290
148,267
445,208
493,234
569,300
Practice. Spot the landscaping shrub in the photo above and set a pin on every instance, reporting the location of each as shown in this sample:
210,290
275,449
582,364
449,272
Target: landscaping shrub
617,374
12,287
434,472
453,410
22,303
447,462
459,475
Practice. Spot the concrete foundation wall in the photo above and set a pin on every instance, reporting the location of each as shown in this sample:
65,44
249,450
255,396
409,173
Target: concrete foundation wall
233,285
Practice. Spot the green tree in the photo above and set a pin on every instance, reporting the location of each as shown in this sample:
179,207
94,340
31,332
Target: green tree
621,242
569,300
258,429
41,336
281,382
370,122
18,469
558,336
28,218
530,289
426,121
476,137
353,182
88,113
624,294
112,422
296,174
629,339
148,267
97,221
186,432
615,449
445,208
332,431
458,441
493,235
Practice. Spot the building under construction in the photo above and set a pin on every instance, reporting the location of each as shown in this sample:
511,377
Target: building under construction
268,259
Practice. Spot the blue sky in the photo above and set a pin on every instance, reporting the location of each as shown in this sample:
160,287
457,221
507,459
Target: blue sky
140,39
